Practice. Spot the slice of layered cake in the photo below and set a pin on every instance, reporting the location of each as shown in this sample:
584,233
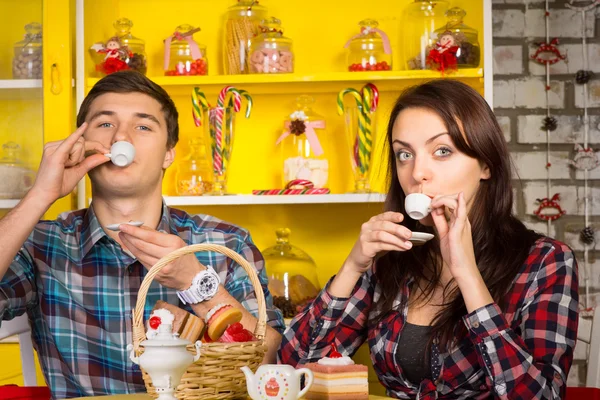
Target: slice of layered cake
338,377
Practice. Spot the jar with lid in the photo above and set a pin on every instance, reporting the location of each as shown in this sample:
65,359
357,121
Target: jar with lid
271,52
420,18
242,24
183,55
465,40
193,171
16,178
303,158
27,61
369,50
293,280
123,51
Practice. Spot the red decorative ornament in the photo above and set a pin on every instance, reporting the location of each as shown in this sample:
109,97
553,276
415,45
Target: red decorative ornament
154,322
549,209
548,53
443,56
334,353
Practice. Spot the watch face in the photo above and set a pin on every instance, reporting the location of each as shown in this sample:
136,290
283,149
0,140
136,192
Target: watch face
208,285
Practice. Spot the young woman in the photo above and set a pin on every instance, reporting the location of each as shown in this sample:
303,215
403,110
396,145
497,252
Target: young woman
487,308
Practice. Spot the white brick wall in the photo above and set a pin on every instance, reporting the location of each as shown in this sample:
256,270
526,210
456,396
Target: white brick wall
508,60
572,240
508,23
569,129
563,23
592,174
532,165
504,123
526,93
593,98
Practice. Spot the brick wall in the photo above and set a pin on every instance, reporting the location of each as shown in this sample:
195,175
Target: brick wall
520,104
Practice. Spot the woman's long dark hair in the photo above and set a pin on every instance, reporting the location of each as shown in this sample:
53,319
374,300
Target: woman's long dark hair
500,240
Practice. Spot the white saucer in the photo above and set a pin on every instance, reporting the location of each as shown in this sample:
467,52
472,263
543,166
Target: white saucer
115,227
418,238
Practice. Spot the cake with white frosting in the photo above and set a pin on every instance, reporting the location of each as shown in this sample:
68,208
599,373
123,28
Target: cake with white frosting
338,377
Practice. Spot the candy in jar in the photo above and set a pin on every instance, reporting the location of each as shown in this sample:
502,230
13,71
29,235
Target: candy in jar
123,51
16,178
193,172
27,61
241,26
304,161
369,50
183,55
271,52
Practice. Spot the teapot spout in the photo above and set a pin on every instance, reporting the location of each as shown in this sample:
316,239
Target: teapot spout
250,382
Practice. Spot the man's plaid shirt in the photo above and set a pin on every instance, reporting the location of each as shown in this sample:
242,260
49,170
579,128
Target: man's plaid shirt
79,288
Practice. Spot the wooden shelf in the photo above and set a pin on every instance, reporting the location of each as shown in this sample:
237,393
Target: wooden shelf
319,82
251,199
6,204
20,83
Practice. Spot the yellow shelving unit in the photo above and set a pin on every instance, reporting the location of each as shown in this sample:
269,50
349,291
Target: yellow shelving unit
324,226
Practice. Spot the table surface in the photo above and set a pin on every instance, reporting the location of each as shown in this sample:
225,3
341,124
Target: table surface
147,397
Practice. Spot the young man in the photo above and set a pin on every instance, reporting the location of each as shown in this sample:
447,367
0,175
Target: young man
78,281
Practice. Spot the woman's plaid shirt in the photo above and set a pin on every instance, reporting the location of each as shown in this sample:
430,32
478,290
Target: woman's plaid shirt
522,352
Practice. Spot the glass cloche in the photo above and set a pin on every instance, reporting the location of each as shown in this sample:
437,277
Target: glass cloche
292,273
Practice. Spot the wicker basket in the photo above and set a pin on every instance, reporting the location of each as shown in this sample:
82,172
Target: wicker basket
216,375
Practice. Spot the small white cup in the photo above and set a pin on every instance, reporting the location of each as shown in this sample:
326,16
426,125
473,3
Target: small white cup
121,153
417,205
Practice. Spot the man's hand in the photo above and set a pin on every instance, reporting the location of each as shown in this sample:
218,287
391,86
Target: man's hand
64,163
149,246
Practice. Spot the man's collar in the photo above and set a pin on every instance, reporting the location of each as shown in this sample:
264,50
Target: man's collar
92,231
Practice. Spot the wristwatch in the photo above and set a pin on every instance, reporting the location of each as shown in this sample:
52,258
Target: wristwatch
204,286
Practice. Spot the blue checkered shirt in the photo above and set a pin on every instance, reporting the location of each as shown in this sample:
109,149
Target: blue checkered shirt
79,289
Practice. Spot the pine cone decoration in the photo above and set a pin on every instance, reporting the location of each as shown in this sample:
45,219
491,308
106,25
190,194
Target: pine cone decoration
297,127
550,124
582,77
587,235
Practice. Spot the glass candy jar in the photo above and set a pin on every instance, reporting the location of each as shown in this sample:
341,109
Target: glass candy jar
369,50
292,273
16,178
241,26
420,18
193,172
271,52
458,34
27,61
123,51
183,55
302,155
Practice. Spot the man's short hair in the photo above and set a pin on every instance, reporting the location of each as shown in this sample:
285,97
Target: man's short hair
134,82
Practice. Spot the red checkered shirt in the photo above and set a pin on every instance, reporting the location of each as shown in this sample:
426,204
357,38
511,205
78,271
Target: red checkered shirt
523,352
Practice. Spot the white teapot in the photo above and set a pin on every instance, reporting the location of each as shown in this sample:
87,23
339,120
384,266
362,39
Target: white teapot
277,381
165,359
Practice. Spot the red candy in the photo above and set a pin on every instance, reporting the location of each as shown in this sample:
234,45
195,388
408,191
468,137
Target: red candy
154,322
197,67
380,66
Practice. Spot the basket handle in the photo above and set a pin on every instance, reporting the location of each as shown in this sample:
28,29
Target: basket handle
139,333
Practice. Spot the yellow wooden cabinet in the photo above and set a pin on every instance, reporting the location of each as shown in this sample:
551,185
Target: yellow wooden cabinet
36,110
324,226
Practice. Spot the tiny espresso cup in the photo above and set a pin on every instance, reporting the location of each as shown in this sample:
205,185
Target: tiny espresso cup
121,153
417,205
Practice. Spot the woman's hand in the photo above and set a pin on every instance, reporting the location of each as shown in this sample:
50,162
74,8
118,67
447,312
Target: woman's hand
382,233
449,214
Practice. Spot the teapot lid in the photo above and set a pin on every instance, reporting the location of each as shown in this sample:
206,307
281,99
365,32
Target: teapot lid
165,338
